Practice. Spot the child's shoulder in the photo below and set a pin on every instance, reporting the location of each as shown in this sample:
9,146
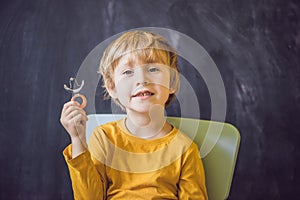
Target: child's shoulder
181,136
108,128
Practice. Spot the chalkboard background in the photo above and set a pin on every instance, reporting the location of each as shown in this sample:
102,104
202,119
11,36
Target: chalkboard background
255,45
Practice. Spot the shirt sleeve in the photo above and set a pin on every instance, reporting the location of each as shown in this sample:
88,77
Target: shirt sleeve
192,177
87,175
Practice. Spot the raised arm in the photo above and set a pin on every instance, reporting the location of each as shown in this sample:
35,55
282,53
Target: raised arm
87,174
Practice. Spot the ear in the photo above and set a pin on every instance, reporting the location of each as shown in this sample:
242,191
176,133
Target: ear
111,91
174,86
174,82
171,91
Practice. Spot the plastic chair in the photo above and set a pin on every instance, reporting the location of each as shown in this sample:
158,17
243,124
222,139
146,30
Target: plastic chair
219,162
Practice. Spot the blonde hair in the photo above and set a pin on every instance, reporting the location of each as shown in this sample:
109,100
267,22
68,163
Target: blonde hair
144,46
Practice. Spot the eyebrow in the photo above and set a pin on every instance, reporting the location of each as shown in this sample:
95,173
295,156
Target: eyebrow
131,61
127,63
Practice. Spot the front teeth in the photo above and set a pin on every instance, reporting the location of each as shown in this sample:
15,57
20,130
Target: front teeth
145,94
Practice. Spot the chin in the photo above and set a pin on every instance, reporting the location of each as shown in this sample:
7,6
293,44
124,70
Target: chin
141,110
146,108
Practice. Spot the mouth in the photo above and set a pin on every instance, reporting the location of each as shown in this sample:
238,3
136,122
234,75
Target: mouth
143,94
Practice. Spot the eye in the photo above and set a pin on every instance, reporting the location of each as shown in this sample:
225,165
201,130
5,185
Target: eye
127,72
153,69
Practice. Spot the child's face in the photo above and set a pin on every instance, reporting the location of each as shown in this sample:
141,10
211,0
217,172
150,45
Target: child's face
139,86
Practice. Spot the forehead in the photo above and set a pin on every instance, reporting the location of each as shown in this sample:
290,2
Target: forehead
142,57
129,60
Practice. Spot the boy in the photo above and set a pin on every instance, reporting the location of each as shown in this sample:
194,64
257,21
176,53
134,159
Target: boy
141,156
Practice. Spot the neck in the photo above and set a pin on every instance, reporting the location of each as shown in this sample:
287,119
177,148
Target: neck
147,125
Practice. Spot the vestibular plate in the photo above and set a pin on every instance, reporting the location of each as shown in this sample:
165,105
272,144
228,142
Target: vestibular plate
73,82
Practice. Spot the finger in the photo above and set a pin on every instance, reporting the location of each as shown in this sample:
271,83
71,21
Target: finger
65,111
71,108
77,109
76,112
80,110
72,114
67,108
70,103
67,118
79,120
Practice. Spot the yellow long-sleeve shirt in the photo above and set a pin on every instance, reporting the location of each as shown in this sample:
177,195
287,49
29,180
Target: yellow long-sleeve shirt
118,165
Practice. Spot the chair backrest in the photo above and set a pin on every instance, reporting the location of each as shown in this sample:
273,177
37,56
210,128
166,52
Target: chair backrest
219,162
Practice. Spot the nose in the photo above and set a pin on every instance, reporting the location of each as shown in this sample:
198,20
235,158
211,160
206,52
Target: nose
141,76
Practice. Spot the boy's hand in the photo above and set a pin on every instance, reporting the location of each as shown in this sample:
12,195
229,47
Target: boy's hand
73,118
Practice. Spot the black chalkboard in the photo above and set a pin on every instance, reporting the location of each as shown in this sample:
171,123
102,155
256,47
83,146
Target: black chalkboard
255,45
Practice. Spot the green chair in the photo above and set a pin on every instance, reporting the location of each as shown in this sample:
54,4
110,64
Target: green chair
218,143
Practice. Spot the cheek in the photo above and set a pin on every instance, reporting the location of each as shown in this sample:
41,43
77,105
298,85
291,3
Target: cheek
163,81
122,89
164,92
